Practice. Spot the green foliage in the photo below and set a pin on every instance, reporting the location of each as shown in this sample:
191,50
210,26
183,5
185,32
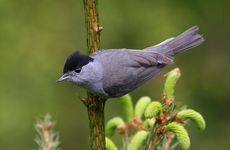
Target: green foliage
181,134
161,121
148,123
127,105
142,103
46,139
153,109
138,140
112,125
109,145
193,115
170,83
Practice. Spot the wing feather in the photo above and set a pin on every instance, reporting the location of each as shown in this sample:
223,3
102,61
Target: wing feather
127,69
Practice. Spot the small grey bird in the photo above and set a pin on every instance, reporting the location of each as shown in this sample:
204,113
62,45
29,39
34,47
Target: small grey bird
116,72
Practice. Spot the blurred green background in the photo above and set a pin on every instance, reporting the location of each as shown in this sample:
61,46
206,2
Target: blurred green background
37,36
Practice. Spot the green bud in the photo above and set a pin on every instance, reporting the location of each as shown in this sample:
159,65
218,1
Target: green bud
194,116
181,134
141,105
112,125
170,82
109,145
127,105
153,109
138,140
148,123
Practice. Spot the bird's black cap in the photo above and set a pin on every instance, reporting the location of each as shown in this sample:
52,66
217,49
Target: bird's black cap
75,61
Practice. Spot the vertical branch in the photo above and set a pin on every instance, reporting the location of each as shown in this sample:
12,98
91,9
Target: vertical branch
95,105
92,25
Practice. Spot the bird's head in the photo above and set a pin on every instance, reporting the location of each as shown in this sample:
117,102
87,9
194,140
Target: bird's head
75,68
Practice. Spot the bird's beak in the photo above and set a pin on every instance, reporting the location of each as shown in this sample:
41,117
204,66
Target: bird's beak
63,78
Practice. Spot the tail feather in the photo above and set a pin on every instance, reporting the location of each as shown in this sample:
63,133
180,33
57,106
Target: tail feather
186,40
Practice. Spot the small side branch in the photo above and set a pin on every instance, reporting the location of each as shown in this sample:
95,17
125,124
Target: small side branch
46,139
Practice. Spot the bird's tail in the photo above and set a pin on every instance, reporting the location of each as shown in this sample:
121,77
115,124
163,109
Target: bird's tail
186,40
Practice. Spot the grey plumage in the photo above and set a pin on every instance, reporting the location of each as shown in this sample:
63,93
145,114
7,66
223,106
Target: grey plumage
127,69
115,72
186,40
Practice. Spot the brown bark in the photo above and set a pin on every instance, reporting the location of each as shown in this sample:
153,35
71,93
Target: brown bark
95,105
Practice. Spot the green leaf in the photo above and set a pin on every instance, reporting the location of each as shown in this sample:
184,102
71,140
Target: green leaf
141,105
138,140
112,125
181,134
170,82
194,116
109,145
127,105
153,109
148,123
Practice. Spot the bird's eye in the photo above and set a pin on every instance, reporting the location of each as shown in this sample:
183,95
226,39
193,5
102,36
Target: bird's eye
78,70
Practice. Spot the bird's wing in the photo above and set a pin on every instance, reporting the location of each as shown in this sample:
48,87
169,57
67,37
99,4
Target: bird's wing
134,58
147,59
125,70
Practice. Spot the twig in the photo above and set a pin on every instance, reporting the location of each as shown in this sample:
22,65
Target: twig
159,130
154,138
170,137
47,139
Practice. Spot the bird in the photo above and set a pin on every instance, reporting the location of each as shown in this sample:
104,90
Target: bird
111,73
